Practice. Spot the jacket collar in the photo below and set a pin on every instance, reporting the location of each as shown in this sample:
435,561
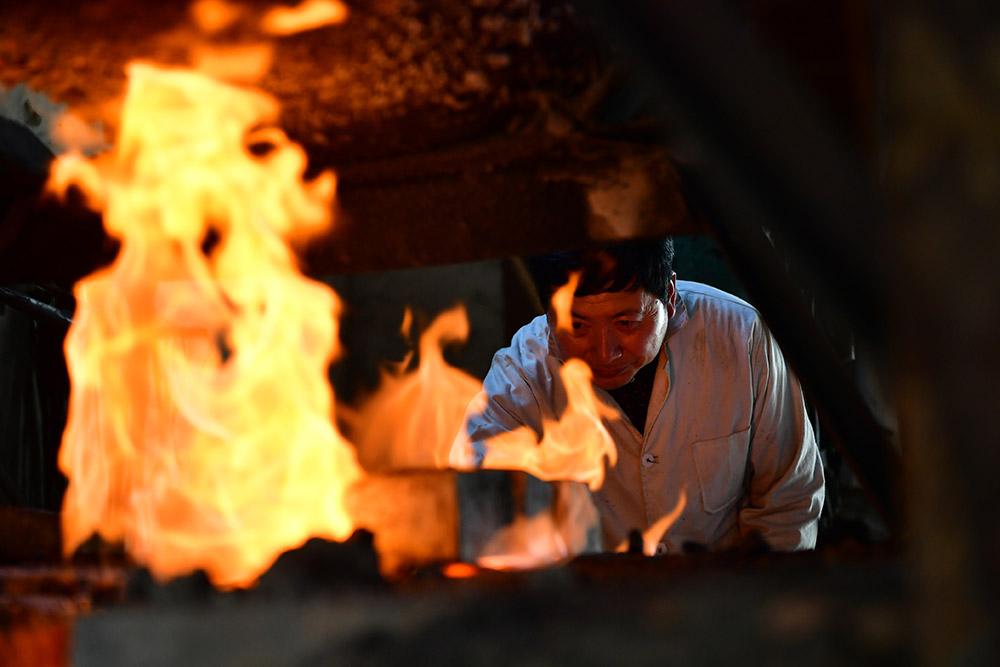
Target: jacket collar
680,317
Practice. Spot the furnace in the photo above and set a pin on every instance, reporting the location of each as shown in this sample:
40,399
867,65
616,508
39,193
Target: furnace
464,135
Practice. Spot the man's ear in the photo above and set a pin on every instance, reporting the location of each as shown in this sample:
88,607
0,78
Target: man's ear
672,296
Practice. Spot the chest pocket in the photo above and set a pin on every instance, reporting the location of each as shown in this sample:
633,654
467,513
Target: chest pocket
721,465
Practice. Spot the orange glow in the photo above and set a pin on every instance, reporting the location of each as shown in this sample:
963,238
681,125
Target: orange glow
200,421
307,16
527,543
215,15
244,63
562,302
547,537
411,421
459,570
74,134
652,535
73,169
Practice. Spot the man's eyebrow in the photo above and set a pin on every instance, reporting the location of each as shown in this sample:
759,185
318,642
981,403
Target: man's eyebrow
628,312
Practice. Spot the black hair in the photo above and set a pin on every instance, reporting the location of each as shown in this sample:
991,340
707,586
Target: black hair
609,268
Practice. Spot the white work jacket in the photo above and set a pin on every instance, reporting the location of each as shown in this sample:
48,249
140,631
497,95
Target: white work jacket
726,429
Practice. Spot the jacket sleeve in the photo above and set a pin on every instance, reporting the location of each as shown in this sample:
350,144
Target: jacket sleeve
786,486
506,405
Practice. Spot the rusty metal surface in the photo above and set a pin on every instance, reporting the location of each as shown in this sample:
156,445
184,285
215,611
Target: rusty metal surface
460,130
40,643
516,197
66,586
398,76
40,603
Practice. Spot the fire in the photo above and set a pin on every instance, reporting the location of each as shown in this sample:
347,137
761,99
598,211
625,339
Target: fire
527,543
573,447
212,16
562,302
308,15
547,537
200,424
651,536
242,63
201,420
411,421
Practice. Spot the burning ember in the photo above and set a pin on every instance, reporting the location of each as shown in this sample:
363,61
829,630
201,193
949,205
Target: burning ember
200,426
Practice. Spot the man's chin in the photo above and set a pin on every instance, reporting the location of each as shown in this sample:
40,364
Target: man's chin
611,382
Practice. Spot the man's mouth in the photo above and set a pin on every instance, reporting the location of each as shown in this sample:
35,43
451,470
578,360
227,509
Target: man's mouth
607,373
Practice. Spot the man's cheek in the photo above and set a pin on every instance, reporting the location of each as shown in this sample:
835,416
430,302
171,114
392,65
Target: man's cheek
566,347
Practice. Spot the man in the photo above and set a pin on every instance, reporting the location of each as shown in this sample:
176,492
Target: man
711,418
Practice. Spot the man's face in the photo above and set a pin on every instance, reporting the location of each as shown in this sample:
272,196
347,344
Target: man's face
616,333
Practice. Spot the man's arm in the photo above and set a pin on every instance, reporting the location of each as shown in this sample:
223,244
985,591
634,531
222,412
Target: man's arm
507,404
786,486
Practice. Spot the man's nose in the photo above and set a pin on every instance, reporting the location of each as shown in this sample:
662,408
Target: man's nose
606,346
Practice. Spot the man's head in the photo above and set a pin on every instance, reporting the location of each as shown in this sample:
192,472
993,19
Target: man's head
620,308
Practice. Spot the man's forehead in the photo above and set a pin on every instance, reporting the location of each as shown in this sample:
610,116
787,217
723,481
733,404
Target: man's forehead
612,302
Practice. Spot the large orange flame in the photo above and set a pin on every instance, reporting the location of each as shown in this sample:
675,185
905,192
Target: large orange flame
411,421
200,427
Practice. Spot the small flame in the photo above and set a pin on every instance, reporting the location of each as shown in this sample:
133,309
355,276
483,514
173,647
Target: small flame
307,16
547,537
562,302
652,535
200,421
527,543
411,421
74,169
213,16
400,367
